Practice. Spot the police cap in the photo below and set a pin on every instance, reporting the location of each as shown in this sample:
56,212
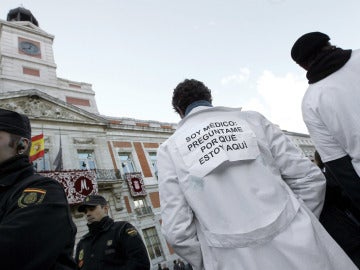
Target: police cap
15,123
92,200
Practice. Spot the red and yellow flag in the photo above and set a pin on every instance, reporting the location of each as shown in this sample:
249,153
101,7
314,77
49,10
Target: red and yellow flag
37,147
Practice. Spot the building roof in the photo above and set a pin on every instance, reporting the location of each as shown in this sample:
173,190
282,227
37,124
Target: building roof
21,14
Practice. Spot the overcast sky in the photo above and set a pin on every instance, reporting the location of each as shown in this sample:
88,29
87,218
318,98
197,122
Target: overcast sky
135,52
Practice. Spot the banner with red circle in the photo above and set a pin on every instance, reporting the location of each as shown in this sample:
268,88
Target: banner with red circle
77,183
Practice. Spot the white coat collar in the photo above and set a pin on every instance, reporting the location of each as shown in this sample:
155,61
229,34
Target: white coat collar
200,109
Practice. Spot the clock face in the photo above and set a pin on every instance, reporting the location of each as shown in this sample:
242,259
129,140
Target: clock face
29,48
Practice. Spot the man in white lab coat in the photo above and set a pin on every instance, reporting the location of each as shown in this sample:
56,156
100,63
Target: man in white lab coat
331,112
236,193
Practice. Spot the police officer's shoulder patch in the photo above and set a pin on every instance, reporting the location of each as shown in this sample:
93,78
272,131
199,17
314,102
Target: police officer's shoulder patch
81,255
131,231
81,258
31,196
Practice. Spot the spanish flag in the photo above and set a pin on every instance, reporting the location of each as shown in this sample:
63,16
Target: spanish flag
37,147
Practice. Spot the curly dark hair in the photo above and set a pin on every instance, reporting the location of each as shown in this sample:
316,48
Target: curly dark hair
187,92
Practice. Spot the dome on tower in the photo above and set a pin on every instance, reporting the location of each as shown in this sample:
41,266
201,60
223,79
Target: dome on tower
21,14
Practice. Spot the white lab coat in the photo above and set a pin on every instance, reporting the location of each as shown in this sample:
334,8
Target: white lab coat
331,112
250,203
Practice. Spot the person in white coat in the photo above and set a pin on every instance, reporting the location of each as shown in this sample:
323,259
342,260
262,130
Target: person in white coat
236,193
331,112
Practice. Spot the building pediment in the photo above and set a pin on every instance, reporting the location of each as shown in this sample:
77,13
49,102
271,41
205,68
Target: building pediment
39,105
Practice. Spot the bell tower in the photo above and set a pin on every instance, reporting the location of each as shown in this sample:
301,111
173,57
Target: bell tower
27,62
27,59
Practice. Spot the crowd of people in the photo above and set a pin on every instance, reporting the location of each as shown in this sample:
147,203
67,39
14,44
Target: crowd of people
235,192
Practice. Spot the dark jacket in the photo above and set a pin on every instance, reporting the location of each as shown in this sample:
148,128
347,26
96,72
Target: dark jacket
112,245
341,212
343,173
36,229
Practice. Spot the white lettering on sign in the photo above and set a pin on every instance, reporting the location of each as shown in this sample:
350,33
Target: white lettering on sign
83,185
210,145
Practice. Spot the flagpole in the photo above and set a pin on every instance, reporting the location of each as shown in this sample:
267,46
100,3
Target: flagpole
61,161
58,160
42,131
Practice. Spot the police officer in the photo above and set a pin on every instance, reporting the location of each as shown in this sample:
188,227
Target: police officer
36,229
108,244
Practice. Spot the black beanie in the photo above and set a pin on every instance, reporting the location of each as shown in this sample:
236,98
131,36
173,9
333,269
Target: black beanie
15,123
307,45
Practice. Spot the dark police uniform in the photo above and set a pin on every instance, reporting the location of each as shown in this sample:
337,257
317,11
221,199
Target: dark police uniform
112,245
36,229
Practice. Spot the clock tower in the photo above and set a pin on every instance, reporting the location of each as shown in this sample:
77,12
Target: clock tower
27,62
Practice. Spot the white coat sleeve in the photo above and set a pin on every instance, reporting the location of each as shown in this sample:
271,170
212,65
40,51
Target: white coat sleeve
178,224
327,128
342,123
303,177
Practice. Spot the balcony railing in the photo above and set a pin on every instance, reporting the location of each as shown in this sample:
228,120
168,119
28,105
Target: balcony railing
107,174
143,211
101,174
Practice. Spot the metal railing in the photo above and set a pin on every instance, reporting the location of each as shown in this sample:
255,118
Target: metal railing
107,174
101,174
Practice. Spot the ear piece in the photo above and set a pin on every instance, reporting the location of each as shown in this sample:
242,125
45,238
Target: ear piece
21,146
